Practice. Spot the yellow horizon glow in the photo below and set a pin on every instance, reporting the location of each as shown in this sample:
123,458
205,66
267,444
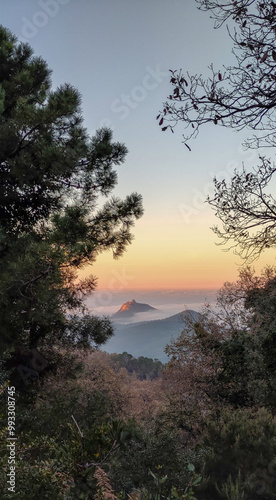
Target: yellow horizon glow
171,258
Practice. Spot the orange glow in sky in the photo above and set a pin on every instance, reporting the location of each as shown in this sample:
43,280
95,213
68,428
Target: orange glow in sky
123,80
171,256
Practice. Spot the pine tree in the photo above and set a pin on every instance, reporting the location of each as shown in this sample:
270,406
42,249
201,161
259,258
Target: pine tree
53,178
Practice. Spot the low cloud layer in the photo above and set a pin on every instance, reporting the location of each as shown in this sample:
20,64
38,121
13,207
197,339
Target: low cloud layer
167,303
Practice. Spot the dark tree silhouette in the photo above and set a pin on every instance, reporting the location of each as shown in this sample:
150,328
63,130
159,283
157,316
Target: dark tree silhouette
247,212
52,218
239,96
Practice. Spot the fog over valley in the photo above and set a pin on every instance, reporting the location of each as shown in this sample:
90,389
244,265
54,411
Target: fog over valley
166,302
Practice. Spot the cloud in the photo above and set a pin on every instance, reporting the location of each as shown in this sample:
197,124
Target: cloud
166,303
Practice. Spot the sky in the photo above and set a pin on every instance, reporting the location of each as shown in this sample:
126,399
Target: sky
118,54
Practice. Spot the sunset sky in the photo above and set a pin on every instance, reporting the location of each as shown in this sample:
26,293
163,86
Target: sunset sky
118,54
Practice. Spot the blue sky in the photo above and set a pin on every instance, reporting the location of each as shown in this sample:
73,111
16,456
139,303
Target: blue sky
118,54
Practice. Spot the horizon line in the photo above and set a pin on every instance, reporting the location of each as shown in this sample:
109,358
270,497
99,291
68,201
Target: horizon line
155,289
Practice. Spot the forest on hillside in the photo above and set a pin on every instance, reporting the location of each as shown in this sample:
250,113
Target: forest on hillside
76,422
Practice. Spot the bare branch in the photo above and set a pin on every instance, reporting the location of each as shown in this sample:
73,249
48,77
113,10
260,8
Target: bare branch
239,96
247,212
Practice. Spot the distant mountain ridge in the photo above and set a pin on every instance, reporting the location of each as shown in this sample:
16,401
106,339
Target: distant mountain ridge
149,338
132,307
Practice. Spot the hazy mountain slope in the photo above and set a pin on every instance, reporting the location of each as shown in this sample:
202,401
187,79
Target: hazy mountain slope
148,338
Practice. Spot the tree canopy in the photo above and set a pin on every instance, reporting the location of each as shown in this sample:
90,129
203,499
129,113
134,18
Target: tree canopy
238,96
241,96
112,426
53,218
246,210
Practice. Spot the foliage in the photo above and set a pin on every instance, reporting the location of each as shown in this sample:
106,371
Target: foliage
230,357
222,382
246,210
79,329
237,96
240,453
97,426
81,420
145,368
53,175
162,454
233,490
42,467
104,490
212,407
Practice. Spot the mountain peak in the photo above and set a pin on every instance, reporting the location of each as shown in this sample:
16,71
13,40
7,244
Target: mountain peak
132,307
